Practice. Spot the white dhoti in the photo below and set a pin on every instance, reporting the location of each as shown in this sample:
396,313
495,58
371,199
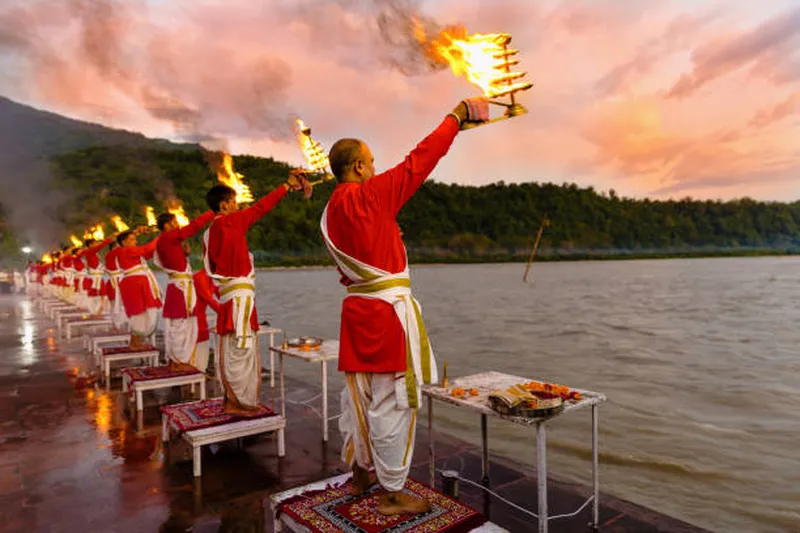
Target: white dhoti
239,370
144,324
376,430
180,338
199,358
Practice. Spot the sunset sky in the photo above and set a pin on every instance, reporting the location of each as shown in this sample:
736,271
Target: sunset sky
658,98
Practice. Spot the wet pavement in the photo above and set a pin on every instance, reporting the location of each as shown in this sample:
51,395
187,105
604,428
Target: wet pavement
71,458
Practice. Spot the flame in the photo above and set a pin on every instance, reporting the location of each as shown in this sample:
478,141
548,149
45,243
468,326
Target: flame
484,60
316,157
75,241
47,259
119,224
177,209
97,233
228,176
151,216
87,234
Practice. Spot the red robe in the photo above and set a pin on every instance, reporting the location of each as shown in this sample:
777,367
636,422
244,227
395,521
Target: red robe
206,292
228,254
170,254
135,290
362,224
92,263
110,262
79,266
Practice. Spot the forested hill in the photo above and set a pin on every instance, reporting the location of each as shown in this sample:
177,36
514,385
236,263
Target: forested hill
441,223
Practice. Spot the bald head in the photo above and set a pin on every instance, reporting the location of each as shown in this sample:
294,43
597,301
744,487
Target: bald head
351,161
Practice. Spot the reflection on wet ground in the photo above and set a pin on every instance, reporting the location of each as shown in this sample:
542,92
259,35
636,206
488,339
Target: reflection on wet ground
71,458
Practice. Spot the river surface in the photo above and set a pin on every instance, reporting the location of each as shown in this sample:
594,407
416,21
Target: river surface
698,357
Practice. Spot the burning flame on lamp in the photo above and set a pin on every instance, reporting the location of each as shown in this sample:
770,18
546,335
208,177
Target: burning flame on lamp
47,259
96,233
315,155
228,176
177,209
151,216
485,60
75,241
119,224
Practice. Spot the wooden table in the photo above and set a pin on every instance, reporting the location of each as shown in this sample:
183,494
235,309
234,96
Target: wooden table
486,382
147,355
87,323
140,386
328,351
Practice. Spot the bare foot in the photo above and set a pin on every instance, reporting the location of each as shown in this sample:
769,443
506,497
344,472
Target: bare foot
363,479
391,503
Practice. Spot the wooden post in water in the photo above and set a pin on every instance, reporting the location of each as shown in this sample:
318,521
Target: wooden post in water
545,222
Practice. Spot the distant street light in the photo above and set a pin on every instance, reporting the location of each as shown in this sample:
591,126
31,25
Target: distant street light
26,249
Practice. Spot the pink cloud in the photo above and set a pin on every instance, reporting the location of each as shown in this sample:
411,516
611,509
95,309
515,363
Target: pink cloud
598,112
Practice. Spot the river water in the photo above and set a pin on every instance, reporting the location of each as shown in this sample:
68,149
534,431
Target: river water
698,358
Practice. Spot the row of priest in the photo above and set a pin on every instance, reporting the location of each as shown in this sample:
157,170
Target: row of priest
385,352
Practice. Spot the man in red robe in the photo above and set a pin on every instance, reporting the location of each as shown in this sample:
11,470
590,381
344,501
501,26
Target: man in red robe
112,296
141,295
180,324
384,349
93,277
229,263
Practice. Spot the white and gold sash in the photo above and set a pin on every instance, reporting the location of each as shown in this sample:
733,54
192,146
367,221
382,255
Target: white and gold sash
241,291
183,281
394,289
96,275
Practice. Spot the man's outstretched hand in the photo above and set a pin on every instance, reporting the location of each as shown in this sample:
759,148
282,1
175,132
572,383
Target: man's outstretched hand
298,181
472,110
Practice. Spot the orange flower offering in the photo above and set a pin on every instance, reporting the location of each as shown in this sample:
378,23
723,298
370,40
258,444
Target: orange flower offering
562,391
473,392
458,392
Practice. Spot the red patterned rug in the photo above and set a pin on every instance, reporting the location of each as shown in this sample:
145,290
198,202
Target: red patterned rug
206,414
149,373
114,350
336,510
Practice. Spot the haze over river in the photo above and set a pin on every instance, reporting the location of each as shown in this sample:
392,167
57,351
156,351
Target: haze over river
698,357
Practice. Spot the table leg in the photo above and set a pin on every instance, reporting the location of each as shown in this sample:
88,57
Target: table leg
485,441
203,389
324,401
431,451
107,368
595,470
271,361
541,474
281,443
139,403
283,395
196,456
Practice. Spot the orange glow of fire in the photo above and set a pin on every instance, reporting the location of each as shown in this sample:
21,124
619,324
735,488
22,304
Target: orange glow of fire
316,157
484,60
75,241
228,176
151,216
97,233
119,224
177,209
47,259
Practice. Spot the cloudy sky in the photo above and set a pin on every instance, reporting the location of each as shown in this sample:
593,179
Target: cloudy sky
659,98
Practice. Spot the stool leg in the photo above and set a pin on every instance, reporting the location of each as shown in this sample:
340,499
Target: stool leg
196,460
139,399
281,444
203,390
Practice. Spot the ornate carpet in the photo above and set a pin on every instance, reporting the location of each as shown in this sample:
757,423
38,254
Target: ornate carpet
149,373
336,510
113,350
206,414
